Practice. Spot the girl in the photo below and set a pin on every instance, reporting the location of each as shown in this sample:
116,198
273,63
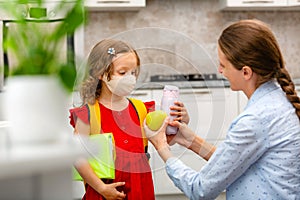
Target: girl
113,69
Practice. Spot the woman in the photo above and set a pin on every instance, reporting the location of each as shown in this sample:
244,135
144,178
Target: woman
260,157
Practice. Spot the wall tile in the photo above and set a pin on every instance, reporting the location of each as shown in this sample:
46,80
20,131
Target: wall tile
186,32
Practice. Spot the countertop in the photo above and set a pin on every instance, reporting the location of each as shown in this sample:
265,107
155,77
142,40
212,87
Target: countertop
183,84
33,159
193,84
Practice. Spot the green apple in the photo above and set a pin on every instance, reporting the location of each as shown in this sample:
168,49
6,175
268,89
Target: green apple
155,119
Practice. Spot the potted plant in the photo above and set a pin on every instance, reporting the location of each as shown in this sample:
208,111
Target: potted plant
40,75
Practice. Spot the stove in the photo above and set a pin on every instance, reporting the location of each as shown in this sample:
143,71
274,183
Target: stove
186,77
189,80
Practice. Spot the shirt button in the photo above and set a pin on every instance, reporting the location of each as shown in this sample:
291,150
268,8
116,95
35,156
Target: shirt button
125,141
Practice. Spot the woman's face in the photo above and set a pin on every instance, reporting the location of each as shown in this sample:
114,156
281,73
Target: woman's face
233,75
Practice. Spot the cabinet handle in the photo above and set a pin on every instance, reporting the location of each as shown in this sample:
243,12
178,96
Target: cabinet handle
139,94
112,1
257,1
196,92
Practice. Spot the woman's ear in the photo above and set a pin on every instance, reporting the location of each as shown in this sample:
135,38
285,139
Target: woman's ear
247,72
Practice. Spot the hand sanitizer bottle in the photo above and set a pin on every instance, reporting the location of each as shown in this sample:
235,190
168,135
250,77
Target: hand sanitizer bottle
170,95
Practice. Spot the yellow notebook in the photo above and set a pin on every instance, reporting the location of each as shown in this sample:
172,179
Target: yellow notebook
101,150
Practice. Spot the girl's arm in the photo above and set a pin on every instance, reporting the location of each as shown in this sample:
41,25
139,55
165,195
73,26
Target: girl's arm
108,191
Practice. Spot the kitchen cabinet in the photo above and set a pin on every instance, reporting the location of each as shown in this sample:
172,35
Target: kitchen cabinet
294,3
211,111
259,5
114,5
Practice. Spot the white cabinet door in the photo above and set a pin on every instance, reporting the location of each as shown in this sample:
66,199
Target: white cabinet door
253,4
211,111
114,5
294,2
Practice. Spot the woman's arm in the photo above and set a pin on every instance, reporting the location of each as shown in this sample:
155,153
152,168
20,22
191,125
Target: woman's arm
187,138
201,147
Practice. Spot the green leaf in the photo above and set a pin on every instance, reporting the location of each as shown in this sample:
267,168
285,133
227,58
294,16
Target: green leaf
67,76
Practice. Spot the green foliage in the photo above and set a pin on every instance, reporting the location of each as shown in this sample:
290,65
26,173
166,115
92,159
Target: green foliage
37,41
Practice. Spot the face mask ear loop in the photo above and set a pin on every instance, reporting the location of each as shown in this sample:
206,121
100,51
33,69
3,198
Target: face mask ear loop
105,77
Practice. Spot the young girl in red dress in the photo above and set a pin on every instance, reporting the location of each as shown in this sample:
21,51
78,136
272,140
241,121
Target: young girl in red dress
113,67
113,70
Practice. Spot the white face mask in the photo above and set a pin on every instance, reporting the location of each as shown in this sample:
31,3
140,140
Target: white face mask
121,85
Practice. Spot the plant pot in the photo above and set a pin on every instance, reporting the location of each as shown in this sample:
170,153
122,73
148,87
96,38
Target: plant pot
37,108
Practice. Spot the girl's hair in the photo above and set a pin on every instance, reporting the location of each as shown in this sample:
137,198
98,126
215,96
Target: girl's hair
100,63
252,43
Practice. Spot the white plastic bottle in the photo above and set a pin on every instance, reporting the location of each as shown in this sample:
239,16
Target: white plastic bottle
170,95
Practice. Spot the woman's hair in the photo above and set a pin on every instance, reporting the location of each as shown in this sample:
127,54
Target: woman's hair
100,63
252,43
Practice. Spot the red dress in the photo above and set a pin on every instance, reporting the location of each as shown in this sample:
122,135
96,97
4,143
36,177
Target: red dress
131,163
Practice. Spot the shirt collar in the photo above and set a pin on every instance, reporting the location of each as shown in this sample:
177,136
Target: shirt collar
261,91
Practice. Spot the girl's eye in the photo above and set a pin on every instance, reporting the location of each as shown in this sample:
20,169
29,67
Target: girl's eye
122,73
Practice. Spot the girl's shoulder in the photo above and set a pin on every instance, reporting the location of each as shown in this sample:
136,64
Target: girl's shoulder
81,112
150,106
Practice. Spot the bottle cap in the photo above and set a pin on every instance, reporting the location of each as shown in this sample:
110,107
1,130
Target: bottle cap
171,90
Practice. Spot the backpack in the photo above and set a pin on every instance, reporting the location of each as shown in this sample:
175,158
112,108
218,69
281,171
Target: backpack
140,108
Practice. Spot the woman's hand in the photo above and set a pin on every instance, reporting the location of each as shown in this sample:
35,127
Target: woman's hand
157,138
185,136
180,111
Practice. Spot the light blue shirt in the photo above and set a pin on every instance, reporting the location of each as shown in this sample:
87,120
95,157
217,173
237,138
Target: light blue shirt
259,159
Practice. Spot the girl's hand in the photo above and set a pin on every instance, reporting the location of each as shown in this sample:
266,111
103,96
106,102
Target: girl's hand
157,138
110,192
180,111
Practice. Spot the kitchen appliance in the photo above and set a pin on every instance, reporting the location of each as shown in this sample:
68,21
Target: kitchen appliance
205,80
